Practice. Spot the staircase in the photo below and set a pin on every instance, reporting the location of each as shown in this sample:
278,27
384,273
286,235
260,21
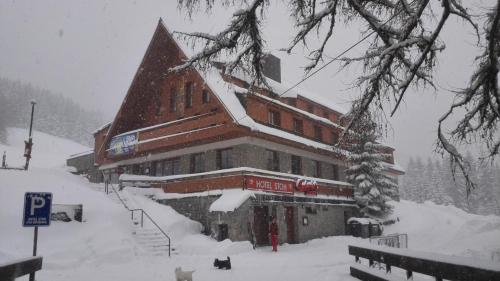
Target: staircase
148,234
151,240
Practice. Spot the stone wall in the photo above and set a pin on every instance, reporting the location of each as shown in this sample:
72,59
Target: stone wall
195,208
328,220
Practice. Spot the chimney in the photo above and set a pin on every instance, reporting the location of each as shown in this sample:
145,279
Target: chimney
272,67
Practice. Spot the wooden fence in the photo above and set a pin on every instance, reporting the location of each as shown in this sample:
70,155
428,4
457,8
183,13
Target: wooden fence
436,265
11,270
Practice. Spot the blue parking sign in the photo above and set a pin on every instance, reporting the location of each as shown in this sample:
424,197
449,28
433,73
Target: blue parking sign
37,207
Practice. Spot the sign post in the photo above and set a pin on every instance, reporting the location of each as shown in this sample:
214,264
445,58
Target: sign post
37,209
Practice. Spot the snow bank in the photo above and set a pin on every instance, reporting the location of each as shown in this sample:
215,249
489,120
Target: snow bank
447,230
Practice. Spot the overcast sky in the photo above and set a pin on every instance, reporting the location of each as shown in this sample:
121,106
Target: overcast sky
90,50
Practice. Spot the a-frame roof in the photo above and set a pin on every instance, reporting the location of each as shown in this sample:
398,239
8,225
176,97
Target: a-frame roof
224,91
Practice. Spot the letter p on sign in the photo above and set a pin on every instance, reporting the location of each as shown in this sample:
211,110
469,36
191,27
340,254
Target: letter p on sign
34,204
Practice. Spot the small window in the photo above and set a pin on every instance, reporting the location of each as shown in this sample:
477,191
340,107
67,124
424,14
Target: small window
335,137
298,126
171,167
205,97
188,95
273,118
273,163
317,133
224,159
158,168
296,165
173,100
335,172
197,164
316,169
158,103
311,210
326,114
310,108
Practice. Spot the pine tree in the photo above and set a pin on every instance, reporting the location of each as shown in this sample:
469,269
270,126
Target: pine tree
3,118
372,188
407,181
441,194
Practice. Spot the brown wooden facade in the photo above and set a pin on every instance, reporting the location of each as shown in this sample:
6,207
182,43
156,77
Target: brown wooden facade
170,111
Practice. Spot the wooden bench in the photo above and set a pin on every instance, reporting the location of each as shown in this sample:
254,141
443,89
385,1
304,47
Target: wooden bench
436,265
11,270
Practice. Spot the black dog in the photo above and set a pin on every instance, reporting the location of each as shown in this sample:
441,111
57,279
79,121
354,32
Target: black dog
220,264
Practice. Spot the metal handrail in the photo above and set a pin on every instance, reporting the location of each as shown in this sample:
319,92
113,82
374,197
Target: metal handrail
142,218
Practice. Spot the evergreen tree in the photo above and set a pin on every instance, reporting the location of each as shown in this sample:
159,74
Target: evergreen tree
372,188
407,181
441,195
54,113
429,182
3,118
419,181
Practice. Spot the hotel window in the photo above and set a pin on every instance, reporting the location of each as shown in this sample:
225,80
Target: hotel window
273,161
298,126
158,103
335,172
317,133
224,158
316,169
205,97
171,167
273,118
335,138
173,100
197,164
188,94
158,166
296,165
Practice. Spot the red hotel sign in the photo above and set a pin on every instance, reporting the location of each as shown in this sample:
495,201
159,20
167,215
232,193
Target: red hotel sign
267,184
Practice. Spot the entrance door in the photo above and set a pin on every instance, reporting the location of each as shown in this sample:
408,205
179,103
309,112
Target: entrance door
261,225
290,226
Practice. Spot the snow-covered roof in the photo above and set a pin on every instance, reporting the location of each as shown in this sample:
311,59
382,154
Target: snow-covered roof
230,200
363,220
101,128
308,114
284,89
395,167
81,154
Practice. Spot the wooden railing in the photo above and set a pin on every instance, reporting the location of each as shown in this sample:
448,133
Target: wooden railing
436,265
11,270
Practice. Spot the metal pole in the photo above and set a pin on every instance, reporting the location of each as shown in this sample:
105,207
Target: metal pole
32,112
142,218
35,240
29,143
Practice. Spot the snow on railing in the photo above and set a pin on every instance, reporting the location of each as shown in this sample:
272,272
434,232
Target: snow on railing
432,264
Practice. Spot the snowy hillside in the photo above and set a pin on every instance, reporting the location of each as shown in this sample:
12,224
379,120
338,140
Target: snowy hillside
106,245
48,151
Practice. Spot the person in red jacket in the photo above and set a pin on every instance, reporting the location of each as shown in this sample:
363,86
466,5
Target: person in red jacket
273,232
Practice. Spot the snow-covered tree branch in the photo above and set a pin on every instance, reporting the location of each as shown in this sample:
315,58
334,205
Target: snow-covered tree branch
401,53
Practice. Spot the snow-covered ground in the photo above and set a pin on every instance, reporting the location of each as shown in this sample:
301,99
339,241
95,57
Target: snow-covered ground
104,246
